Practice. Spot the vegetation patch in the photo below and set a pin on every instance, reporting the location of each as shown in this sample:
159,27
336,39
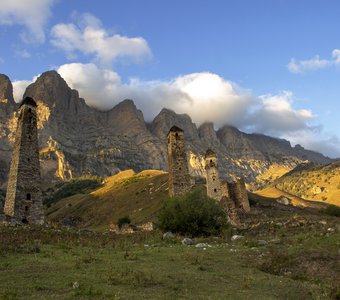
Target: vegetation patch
74,186
332,210
194,214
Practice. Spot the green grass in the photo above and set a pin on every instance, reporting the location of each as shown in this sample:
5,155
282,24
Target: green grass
299,261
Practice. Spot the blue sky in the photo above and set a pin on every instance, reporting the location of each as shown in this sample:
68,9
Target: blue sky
268,66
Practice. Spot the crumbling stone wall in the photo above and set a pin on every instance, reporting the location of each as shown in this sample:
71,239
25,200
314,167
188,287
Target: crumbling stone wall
179,179
213,181
238,192
229,206
23,202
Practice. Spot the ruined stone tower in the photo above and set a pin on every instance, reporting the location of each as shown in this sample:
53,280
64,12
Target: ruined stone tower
238,192
228,205
213,181
23,199
179,179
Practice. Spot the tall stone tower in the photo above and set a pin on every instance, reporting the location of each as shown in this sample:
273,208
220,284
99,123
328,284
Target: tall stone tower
213,181
23,199
179,179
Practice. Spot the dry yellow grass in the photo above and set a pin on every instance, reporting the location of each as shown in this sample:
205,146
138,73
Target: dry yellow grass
275,171
139,196
272,192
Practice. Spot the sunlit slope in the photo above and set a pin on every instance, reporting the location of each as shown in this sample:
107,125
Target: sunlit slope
138,196
308,182
274,172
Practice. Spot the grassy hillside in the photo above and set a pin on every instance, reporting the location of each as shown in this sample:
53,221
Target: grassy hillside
138,196
285,253
317,183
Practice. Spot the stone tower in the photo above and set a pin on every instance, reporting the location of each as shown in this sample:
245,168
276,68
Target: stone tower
179,179
213,181
238,192
24,199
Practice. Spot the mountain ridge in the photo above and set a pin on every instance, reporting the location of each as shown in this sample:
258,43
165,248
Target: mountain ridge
76,139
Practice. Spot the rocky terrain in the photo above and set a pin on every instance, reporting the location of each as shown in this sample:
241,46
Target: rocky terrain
76,139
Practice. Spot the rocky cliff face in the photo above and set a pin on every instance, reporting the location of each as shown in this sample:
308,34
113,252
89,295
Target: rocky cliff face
76,139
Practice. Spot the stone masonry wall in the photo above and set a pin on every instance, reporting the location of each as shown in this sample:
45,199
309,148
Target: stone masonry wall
179,179
213,181
23,199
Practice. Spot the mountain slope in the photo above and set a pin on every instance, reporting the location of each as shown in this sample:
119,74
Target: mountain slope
138,196
310,182
76,139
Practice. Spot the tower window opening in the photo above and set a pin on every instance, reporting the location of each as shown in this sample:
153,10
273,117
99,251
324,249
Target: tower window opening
215,190
28,196
211,160
26,208
177,136
29,110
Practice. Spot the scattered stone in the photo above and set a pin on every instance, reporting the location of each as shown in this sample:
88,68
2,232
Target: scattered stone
262,242
169,235
330,229
237,237
187,241
323,222
75,285
283,200
202,245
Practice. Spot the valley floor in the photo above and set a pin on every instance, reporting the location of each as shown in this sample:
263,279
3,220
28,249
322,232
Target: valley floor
285,253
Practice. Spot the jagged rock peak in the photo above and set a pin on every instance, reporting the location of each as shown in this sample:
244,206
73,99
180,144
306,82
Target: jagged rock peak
126,104
167,118
6,89
208,135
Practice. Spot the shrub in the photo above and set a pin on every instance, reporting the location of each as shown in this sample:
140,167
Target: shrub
332,210
194,214
124,220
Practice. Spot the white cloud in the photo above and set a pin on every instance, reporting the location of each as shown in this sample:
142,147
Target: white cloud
32,14
275,115
302,66
336,56
308,65
19,87
90,38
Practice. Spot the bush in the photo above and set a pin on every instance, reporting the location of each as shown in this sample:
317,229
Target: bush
332,210
194,214
124,220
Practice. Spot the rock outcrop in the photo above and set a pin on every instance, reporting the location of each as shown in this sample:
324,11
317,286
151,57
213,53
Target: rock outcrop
76,139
